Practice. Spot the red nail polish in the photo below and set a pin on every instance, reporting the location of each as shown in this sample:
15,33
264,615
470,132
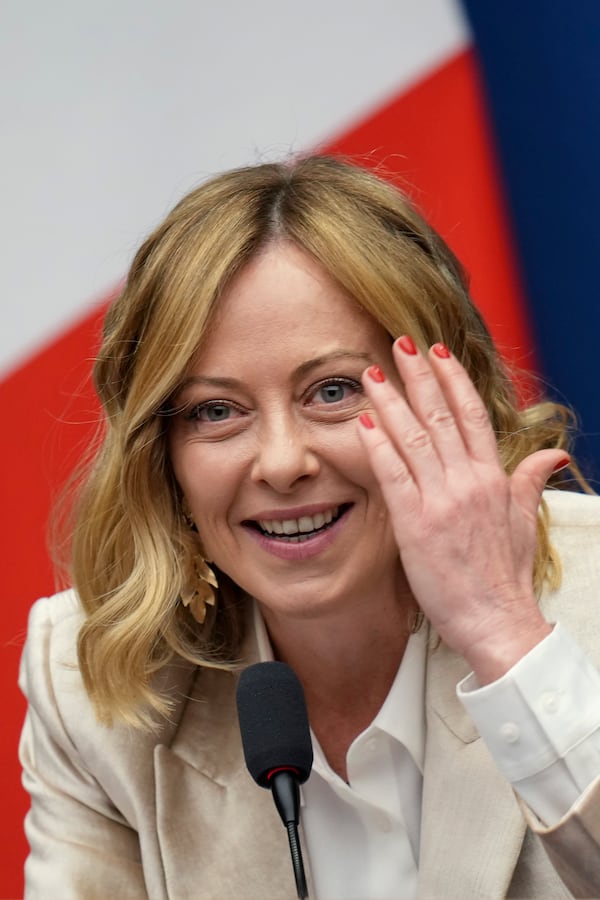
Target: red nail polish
407,344
562,464
366,421
375,374
441,350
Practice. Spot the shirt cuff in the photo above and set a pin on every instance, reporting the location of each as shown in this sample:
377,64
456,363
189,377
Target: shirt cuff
540,710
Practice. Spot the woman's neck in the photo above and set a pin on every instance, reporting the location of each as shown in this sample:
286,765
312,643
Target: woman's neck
346,666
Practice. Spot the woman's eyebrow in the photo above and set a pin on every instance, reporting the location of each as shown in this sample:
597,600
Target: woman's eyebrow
303,369
211,381
310,364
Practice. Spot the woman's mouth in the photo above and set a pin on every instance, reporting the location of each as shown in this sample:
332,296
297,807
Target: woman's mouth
296,531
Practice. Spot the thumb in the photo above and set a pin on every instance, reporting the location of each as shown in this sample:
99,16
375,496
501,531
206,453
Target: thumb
530,477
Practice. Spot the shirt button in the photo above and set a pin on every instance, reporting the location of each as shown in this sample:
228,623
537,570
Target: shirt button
372,745
550,702
510,732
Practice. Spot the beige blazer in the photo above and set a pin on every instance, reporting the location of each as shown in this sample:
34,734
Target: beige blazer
175,815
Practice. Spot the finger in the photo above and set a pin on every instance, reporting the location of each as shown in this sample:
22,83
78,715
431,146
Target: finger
529,478
429,403
394,476
468,408
404,430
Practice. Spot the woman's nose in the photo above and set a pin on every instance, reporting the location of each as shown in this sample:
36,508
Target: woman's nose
284,456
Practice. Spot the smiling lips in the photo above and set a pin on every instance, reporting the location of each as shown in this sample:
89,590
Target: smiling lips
300,529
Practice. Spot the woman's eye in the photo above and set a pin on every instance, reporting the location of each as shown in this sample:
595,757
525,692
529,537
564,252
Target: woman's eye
212,412
336,390
217,413
333,393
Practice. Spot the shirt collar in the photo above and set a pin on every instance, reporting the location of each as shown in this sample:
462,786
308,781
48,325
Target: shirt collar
402,715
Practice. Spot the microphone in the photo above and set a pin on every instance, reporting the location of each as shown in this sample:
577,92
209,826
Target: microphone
277,746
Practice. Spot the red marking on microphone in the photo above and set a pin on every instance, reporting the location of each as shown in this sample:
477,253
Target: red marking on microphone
283,769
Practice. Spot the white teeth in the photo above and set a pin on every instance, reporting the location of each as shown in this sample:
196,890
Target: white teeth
303,525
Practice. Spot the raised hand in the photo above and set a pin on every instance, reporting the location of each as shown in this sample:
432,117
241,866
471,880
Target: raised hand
465,530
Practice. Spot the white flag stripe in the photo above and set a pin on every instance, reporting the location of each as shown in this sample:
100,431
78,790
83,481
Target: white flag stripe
111,111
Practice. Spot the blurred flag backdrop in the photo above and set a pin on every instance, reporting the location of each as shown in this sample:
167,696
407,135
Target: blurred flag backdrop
488,112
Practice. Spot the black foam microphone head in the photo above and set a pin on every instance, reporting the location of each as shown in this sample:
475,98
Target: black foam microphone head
273,721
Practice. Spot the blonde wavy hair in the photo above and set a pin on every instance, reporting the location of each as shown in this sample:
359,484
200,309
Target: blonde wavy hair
131,552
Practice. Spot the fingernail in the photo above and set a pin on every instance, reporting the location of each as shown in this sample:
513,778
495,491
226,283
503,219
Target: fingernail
366,421
375,374
441,350
407,344
562,464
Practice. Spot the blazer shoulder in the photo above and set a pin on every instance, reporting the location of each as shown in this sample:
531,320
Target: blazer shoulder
575,533
54,621
572,510
52,630
50,676
57,607
573,506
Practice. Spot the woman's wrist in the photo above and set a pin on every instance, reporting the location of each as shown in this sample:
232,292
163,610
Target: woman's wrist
492,657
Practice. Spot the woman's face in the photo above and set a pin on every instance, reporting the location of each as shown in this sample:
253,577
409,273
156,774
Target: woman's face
266,448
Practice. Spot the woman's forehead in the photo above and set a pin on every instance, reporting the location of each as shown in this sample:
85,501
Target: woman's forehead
284,305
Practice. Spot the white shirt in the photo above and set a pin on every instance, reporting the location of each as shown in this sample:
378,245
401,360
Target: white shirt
540,721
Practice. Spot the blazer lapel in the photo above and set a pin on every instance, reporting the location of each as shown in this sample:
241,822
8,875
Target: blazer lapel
472,829
220,835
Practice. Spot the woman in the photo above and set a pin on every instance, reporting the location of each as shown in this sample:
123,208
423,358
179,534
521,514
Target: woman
312,453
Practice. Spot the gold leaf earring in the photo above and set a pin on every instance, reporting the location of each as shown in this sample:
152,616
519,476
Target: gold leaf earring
203,581
203,594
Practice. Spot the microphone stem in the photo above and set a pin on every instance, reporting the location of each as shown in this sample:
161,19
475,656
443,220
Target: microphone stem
296,853
286,794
